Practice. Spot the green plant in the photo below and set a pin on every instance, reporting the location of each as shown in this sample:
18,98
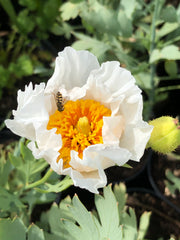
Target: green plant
21,54
111,219
20,176
137,34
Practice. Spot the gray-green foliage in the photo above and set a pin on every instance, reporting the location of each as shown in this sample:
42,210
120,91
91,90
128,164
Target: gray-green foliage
110,220
16,230
123,31
18,168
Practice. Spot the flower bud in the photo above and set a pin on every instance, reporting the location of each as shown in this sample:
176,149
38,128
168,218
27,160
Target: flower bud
165,136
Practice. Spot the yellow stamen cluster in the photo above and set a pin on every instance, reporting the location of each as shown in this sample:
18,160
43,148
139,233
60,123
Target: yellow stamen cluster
80,125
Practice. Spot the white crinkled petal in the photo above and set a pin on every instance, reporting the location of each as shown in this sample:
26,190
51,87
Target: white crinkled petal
72,69
21,128
33,107
89,180
115,87
116,79
112,129
78,164
131,109
48,143
102,155
135,139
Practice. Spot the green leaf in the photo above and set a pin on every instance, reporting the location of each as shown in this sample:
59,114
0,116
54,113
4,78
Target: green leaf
129,225
34,233
5,75
71,220
16,230
26,153
5,169
24,66
143,80
9,202
27,168
70,10
55,216
169,14
101,17
12,230
129,7
125,25
97,47
63,29
90,227
171,68
87,229
76,1
25,22
50,10
173,182
109,202
33,198
143,225
126,165
170,52
49,236
166,29
178,12
30,4
121,197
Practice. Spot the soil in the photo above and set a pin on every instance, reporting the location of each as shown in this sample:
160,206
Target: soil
164,221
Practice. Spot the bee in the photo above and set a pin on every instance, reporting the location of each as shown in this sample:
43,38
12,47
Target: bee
59,102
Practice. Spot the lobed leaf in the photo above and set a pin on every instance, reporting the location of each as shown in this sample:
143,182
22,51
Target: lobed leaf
121,197
16,230
143,225
34,233
94,45
166,29
170,52
110,220
70,10
9,201
12,230
129,225
169,14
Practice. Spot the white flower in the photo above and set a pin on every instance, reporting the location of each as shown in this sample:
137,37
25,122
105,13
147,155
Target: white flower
101,124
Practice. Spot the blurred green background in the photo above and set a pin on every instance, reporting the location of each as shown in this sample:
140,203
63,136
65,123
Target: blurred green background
143,35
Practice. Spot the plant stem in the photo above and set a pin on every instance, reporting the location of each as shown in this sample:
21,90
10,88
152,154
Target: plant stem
152,66
41,181
176,77
169,88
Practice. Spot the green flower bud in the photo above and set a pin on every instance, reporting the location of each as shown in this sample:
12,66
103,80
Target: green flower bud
165,136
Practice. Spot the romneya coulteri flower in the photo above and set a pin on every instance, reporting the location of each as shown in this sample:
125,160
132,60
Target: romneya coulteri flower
99,125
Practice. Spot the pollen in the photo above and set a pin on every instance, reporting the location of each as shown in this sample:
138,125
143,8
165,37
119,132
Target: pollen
80,125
